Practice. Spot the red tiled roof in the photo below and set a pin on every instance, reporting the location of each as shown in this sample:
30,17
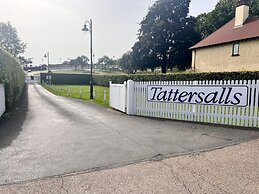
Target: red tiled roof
228,33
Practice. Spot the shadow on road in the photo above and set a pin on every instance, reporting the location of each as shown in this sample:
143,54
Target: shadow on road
11,123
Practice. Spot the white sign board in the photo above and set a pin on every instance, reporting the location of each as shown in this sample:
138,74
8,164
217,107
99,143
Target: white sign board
206,95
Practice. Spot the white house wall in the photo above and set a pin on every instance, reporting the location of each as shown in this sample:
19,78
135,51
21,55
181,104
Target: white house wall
219,58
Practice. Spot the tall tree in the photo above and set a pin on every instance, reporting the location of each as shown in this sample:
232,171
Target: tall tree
223,13
165,35
143,57
10,41
104,62
81,61
126,62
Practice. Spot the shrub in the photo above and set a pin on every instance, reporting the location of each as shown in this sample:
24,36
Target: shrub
103,80
12,76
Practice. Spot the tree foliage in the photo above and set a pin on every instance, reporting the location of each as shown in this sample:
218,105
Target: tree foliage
223,13
81,61
126,62
10,41
165,35
105,61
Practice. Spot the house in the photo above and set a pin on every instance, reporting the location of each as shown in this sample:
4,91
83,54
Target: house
233,47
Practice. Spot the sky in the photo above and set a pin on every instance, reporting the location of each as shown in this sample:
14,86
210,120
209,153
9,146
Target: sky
54,26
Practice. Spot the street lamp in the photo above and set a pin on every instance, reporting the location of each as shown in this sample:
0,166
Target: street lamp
47,56
90,30
48,77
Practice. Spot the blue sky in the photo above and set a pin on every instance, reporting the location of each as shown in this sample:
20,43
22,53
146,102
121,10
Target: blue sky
55,25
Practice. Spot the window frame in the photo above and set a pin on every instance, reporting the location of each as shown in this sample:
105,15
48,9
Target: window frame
234,51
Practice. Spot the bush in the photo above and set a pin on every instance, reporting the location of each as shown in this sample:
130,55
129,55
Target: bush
103,80
12,76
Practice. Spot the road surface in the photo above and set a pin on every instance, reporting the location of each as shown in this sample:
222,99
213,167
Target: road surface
50,135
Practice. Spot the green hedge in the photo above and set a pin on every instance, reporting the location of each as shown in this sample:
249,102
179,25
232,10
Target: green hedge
66,79
12,76
103,80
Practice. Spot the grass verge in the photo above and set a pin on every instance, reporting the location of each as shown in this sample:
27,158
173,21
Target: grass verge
101,94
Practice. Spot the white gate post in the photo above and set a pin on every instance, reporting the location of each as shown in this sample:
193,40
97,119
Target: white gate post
130,98
111,93
125,97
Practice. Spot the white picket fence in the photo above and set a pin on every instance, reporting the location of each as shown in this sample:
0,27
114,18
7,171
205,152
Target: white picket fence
2,100
118,96
137,104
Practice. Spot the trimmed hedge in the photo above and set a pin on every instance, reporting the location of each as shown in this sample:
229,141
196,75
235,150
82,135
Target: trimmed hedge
103,80
66,79
12,76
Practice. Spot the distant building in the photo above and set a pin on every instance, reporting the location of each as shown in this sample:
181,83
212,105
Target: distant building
233,47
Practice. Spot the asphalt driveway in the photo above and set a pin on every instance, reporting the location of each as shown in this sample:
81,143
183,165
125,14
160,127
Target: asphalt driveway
50,135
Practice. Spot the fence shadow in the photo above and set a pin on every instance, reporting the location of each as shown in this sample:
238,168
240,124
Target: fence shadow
11,123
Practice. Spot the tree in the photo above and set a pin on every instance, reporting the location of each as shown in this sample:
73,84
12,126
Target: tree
143,57
180,55
81,61
25,61
165,35
223,13
104,62
10,41
126,62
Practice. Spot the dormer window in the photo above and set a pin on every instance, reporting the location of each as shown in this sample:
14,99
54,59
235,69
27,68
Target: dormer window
235,49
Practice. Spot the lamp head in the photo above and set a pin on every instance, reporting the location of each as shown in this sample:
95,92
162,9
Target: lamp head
85,29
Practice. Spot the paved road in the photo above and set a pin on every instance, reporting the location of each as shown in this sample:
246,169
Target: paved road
50,135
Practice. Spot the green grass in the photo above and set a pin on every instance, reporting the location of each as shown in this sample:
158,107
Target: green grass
71,71
74,92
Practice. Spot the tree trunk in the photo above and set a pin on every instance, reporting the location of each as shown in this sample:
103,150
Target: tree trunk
164,65
164,68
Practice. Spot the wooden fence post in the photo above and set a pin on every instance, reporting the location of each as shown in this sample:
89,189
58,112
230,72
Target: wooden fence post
80,92
104,97
94,94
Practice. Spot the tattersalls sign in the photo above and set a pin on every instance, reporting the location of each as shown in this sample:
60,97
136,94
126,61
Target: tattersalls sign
205,95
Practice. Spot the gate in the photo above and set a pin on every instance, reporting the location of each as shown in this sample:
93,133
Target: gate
118,96
32,79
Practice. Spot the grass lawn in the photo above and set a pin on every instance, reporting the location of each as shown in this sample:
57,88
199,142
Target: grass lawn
71,71
87,71
81,92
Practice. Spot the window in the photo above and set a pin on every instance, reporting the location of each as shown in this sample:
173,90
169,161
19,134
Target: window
235,49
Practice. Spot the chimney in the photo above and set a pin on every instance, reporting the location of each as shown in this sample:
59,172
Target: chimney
242,12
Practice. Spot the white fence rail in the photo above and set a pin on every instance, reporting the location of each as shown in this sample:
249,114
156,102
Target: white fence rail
118,96
2,100
138,103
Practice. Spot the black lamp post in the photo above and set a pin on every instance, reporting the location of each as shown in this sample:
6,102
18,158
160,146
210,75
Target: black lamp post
48,78
90,30
47,56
